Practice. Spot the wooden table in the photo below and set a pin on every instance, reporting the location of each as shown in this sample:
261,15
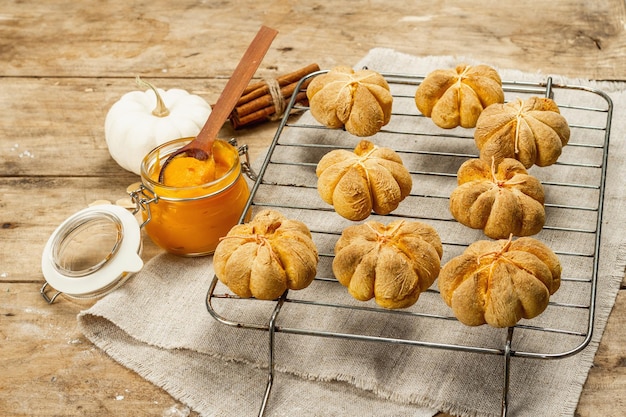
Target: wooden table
64,63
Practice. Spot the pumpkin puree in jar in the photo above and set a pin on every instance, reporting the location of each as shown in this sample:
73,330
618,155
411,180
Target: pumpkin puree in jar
185,171
198,201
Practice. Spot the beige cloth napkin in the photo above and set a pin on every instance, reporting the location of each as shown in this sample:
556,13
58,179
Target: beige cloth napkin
158,324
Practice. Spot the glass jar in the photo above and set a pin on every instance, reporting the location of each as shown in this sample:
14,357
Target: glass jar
98,248
189,221
91,253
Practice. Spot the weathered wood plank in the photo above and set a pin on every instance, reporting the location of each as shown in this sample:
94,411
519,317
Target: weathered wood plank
55,126
49,369
205,40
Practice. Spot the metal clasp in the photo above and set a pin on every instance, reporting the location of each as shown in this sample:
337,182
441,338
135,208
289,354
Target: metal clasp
246,167
45,296
143,197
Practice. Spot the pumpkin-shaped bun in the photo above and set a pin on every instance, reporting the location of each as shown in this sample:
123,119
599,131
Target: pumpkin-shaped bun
500,282
266,256
360,100
370,178
456,97
500,199
532,131
393,264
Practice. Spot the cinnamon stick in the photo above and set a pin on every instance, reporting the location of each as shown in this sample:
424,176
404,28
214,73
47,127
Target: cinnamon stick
257,102
267,99
262,114
257,89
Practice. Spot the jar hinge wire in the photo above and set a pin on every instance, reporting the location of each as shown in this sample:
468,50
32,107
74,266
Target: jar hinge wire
246,167
143,197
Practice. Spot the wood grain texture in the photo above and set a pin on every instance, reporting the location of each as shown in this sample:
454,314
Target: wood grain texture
205,39
64,63
49,369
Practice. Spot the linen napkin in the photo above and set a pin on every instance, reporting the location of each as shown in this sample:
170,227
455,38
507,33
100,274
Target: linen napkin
158,325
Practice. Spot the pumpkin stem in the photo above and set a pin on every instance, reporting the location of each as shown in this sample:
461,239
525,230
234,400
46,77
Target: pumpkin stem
502,183
260,240
518,119
497,254
493,172
384,237
160,110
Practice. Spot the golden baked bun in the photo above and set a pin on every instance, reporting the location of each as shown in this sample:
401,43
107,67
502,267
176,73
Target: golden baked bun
532,131
266,256
360,100
391,263
500,199
368,179
500,282
456,97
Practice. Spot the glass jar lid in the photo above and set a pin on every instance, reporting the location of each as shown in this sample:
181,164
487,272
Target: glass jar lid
92,252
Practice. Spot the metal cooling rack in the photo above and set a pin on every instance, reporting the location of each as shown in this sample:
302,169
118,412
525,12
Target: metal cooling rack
436,153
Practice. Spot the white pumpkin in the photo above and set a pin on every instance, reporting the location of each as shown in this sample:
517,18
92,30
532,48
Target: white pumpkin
142,120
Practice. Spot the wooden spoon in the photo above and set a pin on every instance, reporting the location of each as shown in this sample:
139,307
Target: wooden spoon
202,145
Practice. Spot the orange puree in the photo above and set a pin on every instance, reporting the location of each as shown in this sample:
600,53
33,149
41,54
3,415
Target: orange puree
199,201
187,171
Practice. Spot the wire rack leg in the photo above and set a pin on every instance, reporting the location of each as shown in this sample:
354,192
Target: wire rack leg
270,371
507,372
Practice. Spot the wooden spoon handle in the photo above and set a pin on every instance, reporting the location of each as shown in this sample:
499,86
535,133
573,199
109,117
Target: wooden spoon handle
235,87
